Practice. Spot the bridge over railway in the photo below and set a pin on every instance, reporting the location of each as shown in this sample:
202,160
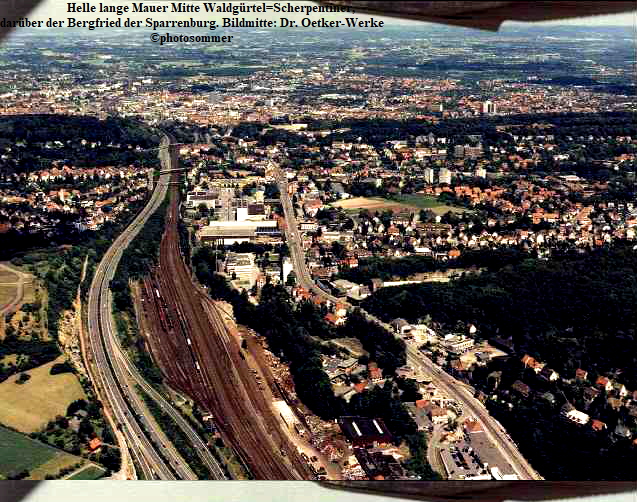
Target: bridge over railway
173,170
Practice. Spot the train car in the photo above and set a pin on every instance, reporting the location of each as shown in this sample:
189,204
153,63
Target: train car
157,293
197,366
162,318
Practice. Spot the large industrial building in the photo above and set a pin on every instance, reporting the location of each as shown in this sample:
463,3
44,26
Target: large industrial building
226,233
365,432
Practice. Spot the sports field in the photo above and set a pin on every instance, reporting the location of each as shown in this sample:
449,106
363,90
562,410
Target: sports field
29,406
19,453
413,202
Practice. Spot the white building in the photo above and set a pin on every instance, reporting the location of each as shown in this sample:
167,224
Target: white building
429,175
488,108
287,268
444,176
288,416
242,264
457,343
226,233
574,415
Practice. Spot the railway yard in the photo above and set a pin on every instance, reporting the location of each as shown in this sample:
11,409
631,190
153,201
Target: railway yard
199,353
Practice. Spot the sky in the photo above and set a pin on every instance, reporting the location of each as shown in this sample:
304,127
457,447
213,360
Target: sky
57,10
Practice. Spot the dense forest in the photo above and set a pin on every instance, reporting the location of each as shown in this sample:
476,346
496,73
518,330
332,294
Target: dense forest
60,268
407,266
49,127
383,348
571,311
379,131
32,139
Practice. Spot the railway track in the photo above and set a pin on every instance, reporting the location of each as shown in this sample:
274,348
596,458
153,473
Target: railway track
200,357
114,375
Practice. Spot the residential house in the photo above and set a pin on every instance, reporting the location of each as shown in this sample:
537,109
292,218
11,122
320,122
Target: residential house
571,414
401,326
472,426
94,444
581,374
375,374
530,362
550,398
622,432
334,320
598,425
604,383
620,390
439,415
614,403
549,374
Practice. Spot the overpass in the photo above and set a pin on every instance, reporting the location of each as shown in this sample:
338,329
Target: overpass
173,170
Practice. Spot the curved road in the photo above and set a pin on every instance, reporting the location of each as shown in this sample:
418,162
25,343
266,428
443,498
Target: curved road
115,375
449,385
104,372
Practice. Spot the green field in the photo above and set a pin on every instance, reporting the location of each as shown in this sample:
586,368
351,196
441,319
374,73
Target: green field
88,473
427,202
28,407
420,201
396,203
19,453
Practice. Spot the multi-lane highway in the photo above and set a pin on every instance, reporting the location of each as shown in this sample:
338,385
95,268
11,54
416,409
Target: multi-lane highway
446,383
114,375
216,471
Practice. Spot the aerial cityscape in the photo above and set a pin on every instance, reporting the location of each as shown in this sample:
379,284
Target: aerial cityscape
406,253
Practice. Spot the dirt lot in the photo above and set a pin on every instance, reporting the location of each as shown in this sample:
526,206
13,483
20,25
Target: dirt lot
28,407
7,276
371,203
7,294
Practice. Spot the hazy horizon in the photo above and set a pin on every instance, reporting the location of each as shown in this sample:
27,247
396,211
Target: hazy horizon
51,8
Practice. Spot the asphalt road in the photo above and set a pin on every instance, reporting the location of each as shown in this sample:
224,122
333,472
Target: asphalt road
446,383
293,238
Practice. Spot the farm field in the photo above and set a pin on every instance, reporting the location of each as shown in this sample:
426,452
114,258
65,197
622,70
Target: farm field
28,407
19,453
7,276
7,294
10,281
412,202
89,472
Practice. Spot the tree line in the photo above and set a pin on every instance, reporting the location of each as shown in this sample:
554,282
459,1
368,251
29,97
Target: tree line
573,311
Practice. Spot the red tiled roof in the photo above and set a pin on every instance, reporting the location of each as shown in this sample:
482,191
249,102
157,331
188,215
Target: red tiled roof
359,387
94,444
598,425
